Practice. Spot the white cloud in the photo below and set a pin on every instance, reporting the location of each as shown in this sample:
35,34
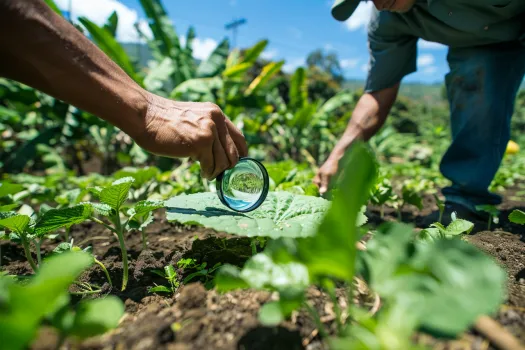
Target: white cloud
328,47
291,65
360,17
98,12
430,70
429,45
202,48
269,54
425,60
349,63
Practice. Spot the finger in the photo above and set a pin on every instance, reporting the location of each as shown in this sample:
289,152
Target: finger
231,152
221,160
238,138
324,183
316,180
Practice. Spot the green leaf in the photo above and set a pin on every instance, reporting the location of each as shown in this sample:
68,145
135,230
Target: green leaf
112,24
144,207
111,47
410,196
341,99
160,289
298,89
281,215
270,314
517,217
64,217
9,207
251,54
170,272
14,222
332,250
229,278
197,90
101,209
117,193
458,227
159,73
7,188
70,197
216,62
237,70
30,303
97,316
62,248
491,209
162,28
266,74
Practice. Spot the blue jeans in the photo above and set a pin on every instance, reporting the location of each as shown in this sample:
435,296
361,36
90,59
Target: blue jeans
482,85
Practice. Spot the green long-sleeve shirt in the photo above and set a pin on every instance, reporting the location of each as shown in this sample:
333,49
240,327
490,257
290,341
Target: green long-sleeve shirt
456,23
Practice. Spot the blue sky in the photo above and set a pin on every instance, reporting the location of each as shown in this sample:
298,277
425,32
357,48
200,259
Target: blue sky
294,28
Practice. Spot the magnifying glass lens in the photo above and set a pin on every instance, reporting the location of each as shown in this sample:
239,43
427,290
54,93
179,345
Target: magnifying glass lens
245,186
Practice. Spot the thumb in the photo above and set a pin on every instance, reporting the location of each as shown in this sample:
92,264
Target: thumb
324,183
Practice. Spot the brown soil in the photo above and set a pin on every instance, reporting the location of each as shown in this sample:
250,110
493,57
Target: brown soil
199,318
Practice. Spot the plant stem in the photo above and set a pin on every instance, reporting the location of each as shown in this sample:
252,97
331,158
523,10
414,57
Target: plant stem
440,215
118,227
60,341
66,235
144,240
104,224
337,309
38,243
317,319
253,244
105,270
27,252
382,211
490,221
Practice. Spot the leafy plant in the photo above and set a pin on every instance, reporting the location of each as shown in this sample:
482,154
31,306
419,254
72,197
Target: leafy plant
438,231
382,193
25,306
441,207
26,229
112,198
492,211
171,276
517,217
201,271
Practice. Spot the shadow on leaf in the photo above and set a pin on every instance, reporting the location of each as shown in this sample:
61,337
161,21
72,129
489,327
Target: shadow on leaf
207,212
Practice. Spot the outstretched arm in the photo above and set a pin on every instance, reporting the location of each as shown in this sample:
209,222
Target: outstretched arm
41,49
367,118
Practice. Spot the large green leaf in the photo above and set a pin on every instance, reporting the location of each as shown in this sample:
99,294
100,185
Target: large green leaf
216,62
117,193
253,53
266,74
298,89
111,47
112,24
7,188
144,207
94,317
281,215
159,73
341,99
162,28
14,222
53,6
29,304
64,217
198,90
517,217
331,252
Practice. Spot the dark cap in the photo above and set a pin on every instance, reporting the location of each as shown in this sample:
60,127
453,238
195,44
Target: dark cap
343,9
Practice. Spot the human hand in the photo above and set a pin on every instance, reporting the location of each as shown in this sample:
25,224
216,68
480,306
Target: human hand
325,174
192,129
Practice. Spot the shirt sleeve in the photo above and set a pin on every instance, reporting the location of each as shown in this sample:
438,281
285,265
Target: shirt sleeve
393,50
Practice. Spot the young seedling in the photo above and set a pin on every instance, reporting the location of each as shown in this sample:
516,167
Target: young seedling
112,198
493,213
409,195
25,229
171,276
66,247
438,230
140,216
441,206
201,271
381,193
517,217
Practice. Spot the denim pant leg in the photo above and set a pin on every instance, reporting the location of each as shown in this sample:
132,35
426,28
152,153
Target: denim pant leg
482,85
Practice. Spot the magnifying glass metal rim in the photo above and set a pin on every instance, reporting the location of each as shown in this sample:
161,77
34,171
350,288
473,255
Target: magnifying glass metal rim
266,186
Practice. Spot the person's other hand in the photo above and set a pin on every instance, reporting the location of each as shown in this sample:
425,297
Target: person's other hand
325,174
198,130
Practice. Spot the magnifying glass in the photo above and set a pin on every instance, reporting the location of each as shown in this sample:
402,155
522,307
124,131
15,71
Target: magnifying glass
244,187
